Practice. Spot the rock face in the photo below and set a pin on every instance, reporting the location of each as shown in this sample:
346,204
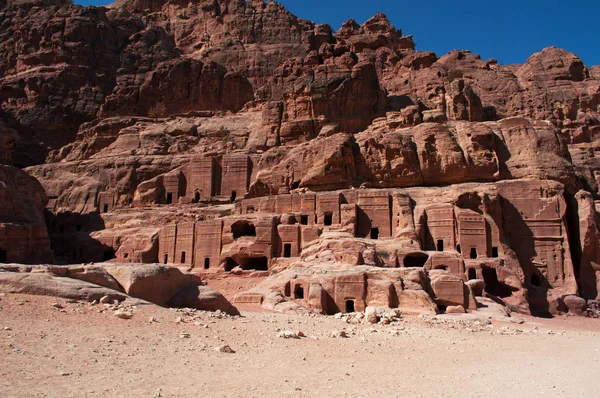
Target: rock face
231,136
23,232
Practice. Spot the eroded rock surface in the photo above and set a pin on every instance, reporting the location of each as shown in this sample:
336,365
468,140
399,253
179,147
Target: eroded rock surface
233,137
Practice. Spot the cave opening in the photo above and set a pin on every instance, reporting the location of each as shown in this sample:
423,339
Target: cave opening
415,260
493,285
242,228
328,219
108,254
230,264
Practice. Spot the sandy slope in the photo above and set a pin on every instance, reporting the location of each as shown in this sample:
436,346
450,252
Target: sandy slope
79,352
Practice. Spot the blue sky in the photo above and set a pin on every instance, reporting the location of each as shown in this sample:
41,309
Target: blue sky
507,30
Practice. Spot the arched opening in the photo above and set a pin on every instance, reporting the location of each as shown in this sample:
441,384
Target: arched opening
328,219
473,254
287,250
299,292
440,245
169,198
182,258
374,233
304,220
196,197
350,306
166,259
494,252
415,260
207,263
242,228
472,274
233,196
3,256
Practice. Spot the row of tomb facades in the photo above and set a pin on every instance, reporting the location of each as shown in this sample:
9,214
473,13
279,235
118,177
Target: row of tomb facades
282,225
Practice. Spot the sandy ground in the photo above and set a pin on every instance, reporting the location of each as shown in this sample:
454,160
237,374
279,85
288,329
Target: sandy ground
85,351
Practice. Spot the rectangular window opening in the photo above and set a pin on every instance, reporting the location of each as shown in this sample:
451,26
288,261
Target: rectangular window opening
287,250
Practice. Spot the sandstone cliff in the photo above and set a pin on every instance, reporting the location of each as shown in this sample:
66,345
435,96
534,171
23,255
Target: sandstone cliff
145,122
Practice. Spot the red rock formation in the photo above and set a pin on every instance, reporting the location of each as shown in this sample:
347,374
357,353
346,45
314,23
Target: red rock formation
23,233
146,119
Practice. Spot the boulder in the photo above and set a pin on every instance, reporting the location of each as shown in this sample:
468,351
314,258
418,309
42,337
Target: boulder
46,284
575,305
202,298
151,282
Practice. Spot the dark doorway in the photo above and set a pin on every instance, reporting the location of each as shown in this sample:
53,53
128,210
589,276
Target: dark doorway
473,254
3,256
169,198
287,250
327,219
196,197
374,233
207,263
415,260
350,306
166,259
494,252
304,220
242,228
440,245
472,274
233,195
105,209
182,258
299,292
